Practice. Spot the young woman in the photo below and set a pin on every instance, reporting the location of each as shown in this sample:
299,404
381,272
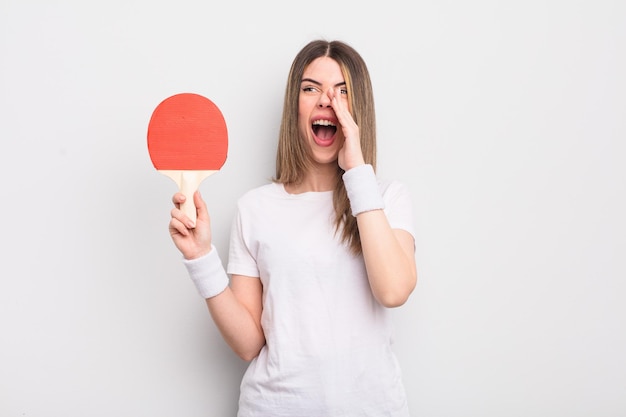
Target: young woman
316,257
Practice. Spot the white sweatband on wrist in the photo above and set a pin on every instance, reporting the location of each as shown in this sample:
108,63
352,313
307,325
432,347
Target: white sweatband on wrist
207,273
362,188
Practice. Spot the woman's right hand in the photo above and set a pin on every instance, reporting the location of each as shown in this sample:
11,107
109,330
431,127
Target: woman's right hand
192,242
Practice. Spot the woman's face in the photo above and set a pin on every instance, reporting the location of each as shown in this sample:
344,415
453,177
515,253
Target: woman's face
317,123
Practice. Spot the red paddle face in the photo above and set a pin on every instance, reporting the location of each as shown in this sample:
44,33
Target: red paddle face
187,132
187,141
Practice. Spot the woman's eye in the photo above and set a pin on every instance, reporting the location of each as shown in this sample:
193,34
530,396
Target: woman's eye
344,91
308,89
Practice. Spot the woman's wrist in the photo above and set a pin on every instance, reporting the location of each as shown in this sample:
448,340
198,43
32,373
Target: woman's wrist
197,255
207,273
362,189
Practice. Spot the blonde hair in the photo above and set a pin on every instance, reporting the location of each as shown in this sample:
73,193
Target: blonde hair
292,158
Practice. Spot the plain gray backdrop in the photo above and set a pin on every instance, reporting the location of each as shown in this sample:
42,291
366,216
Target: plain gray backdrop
505,118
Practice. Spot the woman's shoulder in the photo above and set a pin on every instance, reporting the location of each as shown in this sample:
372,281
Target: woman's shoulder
390,187
253,195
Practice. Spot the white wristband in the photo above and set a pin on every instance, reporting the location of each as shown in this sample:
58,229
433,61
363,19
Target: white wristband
362,188
207,273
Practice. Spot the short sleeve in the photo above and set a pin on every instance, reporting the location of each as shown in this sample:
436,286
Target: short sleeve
398,206
240,259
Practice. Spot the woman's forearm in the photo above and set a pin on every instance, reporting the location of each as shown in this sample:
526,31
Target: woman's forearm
238,326
389,258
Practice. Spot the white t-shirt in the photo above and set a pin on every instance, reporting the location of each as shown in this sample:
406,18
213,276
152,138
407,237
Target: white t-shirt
328,341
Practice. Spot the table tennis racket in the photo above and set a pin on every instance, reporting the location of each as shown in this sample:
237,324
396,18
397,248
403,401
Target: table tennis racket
187,141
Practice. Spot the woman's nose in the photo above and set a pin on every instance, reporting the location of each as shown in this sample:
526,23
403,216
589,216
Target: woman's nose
324,100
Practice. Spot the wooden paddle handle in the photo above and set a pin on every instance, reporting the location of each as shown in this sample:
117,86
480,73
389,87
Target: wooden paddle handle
188,182
188,186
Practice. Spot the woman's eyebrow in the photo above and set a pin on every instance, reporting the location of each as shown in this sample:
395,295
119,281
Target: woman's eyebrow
310,80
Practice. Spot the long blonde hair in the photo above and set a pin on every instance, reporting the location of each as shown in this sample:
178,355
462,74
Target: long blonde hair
292,158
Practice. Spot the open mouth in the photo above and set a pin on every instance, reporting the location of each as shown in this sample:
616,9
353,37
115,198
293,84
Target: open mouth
323,131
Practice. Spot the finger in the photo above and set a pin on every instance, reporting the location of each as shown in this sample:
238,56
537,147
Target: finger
341,110
176,226
178,199
331,94
180,215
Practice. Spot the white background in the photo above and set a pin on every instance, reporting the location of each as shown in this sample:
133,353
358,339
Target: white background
505,118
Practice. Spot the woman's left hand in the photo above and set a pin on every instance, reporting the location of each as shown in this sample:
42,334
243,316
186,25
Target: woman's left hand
350,155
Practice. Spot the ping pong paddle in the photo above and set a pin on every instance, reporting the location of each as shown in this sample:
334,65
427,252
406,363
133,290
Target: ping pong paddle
187,141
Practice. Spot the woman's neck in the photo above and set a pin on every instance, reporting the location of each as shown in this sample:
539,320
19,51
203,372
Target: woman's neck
317,179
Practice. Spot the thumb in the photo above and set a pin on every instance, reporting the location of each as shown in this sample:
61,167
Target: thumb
202,211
